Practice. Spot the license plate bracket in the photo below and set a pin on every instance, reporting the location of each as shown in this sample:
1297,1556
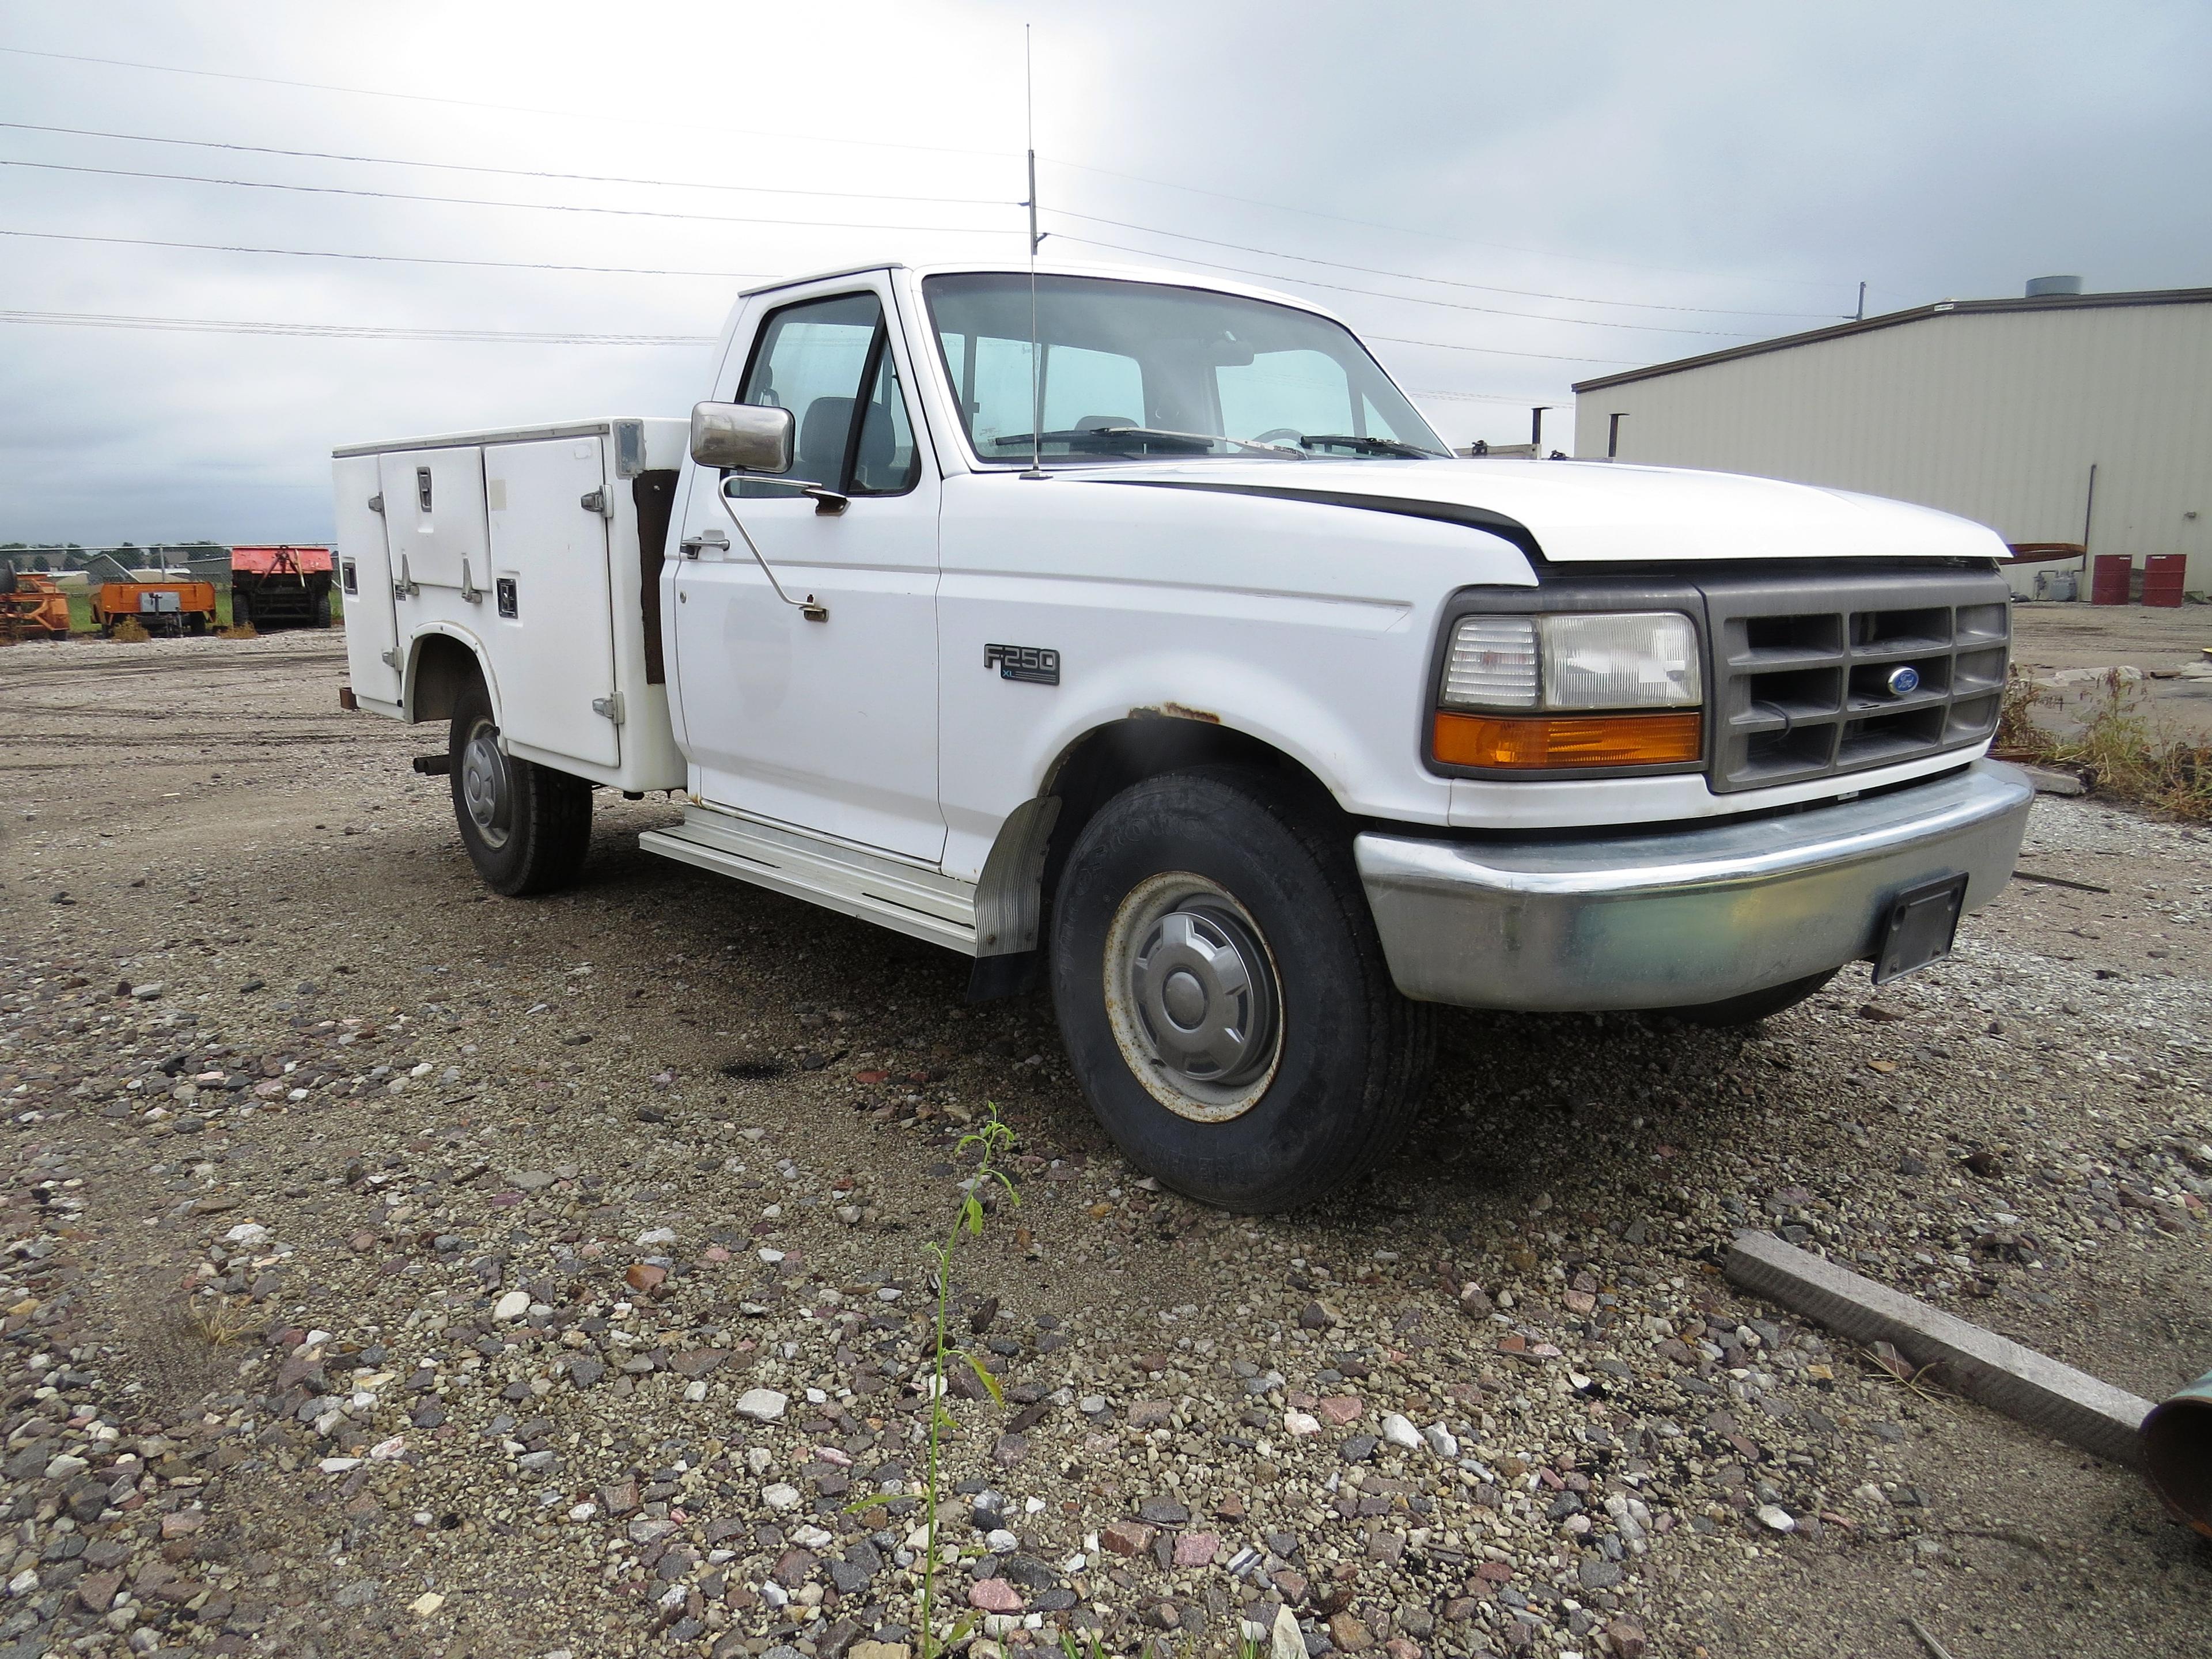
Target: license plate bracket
1919,927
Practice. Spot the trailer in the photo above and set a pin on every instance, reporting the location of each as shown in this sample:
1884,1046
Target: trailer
280,586
32,606
174,607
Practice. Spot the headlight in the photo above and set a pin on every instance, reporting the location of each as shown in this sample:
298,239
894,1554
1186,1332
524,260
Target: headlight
1583,690
1593,660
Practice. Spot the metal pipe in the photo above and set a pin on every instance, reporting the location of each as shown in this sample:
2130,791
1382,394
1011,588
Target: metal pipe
2177,1453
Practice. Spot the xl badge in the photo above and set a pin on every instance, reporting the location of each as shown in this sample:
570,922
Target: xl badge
1036,664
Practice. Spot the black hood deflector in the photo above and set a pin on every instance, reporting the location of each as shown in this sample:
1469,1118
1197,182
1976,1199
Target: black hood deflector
1405,506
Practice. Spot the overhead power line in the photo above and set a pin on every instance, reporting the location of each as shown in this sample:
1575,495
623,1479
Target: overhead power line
474,201
1416,298
515,337
512,109
721,128
1416,277
391,259
1500,351
1441,236
964,201
509,173
345,330
1484,397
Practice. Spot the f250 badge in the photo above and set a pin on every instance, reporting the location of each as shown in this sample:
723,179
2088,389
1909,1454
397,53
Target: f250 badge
1038,664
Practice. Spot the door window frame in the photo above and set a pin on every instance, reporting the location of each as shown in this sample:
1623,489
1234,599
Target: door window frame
879,345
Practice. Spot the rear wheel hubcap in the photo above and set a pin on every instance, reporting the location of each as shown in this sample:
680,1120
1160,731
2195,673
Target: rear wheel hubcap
486,789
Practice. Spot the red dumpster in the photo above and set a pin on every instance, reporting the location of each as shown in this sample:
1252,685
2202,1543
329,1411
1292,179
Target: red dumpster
2108,585
2163,575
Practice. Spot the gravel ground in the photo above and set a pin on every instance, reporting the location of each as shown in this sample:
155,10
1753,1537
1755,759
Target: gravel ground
2067,649
386,1263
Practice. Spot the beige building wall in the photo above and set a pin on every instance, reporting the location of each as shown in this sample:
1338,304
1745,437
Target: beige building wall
1996,415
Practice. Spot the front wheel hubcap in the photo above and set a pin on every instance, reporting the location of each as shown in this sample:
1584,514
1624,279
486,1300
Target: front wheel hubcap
486,791
1192,995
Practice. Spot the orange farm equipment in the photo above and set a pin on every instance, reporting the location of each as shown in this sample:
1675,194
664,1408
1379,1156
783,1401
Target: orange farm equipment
175,608
280,586
31,607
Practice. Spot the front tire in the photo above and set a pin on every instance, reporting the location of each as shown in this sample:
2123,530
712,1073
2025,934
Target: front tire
1222,992
526,827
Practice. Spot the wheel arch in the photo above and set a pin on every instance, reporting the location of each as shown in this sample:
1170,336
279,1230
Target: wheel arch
1033,843
440,664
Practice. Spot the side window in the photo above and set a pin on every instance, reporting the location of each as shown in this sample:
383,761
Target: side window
827,362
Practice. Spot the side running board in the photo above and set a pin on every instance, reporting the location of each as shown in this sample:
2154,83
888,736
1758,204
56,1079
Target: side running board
911,900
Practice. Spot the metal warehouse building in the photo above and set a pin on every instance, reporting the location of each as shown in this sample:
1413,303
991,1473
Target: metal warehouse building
2061,418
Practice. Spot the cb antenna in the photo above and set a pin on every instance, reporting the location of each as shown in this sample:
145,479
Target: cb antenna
1036,365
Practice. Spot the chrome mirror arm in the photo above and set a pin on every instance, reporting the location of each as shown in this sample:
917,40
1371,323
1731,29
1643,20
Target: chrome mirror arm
809,607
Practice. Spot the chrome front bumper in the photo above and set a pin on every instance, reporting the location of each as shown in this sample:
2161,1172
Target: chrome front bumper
1689,916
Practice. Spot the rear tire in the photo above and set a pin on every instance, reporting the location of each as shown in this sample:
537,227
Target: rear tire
1753,1006
1222,993
241,609
527,827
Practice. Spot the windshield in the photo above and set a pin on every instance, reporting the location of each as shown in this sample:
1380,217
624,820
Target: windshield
1132,371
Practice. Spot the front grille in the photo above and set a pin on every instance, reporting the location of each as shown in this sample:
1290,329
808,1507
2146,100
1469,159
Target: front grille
1801,668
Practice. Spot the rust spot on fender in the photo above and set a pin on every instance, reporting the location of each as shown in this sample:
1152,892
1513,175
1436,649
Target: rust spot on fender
1175,711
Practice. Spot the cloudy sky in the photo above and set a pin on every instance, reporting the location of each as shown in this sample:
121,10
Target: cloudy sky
1504,198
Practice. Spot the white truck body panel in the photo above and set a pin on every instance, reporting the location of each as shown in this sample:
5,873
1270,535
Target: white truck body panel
1605,512
1273,630
506,528
557,651
365,576
830,729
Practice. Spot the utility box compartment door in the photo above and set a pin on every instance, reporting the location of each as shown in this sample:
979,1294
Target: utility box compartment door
434,516
365,577
550,599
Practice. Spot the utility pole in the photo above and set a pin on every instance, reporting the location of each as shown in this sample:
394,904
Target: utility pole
1537,428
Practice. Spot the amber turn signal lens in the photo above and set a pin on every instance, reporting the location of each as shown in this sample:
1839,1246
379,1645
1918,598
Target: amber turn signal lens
1531,743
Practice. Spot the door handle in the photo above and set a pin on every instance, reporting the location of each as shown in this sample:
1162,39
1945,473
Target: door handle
714,538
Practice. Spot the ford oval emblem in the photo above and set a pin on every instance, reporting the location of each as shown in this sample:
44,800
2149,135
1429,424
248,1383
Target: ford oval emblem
1904,680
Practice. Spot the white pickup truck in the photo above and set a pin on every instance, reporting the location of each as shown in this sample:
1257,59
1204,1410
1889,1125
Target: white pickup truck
1135,633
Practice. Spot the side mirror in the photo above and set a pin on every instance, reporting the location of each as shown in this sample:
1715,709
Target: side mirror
742,437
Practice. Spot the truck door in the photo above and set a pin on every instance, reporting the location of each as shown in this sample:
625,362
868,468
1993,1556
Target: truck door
551,632
364,577
434,517
829,726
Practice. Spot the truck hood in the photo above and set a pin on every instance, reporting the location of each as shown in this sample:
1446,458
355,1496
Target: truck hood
1590,512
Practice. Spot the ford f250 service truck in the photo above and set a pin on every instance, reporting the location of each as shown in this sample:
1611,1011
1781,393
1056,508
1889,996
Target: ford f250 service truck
1135,633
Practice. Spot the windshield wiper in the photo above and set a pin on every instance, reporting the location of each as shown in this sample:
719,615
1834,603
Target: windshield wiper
1371,445
1091,435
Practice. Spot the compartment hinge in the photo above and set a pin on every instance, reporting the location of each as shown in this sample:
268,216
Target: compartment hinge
376,502
596,500
610,707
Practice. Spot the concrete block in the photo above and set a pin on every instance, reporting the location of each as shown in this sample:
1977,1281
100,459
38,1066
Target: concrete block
2038,1390
2049,780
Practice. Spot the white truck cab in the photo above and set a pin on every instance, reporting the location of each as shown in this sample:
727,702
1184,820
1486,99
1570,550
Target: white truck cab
1134,632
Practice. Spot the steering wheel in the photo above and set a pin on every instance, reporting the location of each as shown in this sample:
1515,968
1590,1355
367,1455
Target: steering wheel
1276,434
